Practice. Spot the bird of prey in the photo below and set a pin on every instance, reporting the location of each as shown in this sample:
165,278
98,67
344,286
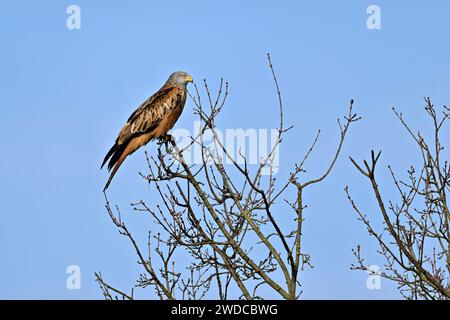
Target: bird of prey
152,119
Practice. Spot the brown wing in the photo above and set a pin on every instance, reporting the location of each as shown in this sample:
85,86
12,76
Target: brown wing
146,118
150,113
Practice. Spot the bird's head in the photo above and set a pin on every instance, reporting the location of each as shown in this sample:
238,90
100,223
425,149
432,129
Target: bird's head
180,78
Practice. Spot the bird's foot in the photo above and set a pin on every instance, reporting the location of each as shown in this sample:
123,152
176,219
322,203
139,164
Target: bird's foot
166,139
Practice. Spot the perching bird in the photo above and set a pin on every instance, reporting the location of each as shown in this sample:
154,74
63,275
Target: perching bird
153,119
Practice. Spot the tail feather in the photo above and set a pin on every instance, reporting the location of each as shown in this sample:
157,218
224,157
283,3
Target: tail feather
116,156
113,155
116,167
109,154
118,153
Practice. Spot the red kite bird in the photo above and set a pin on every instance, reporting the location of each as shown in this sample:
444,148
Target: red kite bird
153,119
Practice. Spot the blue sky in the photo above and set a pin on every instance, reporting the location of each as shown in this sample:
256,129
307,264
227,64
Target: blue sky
66,93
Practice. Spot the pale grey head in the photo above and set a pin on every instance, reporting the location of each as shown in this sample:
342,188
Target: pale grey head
179,78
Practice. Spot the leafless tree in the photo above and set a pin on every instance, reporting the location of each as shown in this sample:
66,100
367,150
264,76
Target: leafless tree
230,220
415,239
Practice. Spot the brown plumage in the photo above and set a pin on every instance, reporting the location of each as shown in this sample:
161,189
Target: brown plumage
153,119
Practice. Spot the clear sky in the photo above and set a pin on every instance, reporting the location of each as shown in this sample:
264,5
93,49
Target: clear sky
65,94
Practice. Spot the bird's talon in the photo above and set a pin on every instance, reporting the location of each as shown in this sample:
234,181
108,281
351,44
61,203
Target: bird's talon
167,138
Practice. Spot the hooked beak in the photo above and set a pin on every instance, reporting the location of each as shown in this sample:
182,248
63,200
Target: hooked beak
189,79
